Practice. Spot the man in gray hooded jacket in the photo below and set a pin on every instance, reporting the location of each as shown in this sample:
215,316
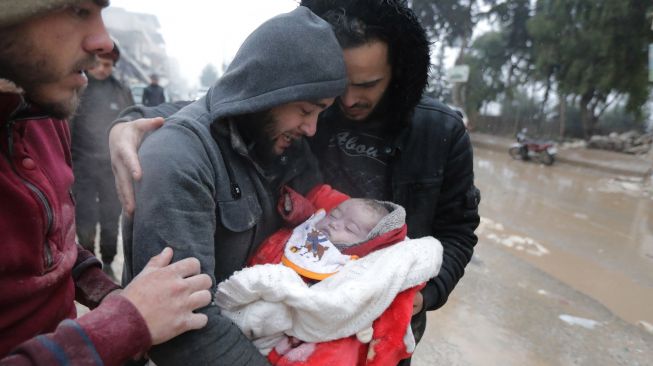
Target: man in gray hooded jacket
212,173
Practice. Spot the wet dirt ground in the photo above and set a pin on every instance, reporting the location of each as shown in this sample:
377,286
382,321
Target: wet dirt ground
562,273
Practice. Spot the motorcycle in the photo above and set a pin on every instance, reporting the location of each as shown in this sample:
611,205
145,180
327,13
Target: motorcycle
527,149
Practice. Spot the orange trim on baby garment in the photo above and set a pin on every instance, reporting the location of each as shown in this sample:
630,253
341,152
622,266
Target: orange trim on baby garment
306,273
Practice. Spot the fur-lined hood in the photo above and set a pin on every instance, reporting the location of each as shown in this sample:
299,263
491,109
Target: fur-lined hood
408,42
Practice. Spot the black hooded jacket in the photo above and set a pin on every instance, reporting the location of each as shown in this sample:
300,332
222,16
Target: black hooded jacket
427,148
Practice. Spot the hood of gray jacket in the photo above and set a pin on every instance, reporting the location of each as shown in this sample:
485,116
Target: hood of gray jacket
292,57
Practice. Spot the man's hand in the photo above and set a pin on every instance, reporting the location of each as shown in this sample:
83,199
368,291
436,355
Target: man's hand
418,302
166,294
124,141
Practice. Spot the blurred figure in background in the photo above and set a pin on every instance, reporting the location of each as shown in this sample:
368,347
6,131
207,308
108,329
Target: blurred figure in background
94,188
153,95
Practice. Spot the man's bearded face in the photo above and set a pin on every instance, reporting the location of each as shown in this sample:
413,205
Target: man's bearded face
46,57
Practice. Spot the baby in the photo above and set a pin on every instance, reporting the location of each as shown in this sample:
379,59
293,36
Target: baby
321,245
347,306
352,221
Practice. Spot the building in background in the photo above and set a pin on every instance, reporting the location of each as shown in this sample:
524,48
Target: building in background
143,53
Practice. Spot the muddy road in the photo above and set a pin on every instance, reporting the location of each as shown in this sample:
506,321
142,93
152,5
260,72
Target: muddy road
562,274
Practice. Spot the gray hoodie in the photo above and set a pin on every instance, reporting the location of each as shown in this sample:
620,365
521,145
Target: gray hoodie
202,193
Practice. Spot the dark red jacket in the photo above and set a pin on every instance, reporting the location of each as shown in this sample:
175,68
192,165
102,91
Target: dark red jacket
42,270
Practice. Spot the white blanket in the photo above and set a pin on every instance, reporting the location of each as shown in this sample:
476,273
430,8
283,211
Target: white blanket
266,301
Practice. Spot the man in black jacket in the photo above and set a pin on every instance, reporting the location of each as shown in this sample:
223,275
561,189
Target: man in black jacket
383,140
153,94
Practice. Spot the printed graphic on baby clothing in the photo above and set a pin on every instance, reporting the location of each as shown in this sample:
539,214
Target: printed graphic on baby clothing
312,245
310,252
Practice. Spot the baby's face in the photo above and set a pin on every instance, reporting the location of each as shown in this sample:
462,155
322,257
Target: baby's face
349,223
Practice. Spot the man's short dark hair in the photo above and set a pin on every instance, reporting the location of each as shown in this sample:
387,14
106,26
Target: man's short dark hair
352,31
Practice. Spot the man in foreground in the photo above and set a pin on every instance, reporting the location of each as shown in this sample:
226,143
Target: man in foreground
45,46
213,172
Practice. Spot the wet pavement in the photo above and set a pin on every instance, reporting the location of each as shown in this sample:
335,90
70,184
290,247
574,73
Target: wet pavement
562,273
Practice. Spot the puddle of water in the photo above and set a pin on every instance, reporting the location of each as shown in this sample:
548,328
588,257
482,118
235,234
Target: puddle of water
619,293
480,342
588,229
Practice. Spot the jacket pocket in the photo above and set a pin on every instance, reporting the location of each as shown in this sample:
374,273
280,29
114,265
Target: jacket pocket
239,215
48,258
52,256
423,195
420,202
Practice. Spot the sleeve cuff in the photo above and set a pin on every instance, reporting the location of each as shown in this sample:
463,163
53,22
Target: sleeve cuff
92,286
429,294
117,330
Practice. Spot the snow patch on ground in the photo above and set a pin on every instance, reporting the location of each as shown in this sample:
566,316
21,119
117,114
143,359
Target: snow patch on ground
581,216
494,231
631,186
582,322
646,325
484,164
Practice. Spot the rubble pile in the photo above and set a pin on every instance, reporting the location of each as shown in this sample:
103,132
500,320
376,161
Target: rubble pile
631,142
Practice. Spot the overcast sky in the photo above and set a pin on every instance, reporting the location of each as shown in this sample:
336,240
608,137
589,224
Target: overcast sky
198,32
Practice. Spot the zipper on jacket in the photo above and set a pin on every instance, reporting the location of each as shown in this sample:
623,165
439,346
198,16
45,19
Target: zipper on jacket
48,260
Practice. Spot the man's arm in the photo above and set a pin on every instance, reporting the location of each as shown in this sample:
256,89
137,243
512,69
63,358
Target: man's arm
155,307
125,137
164,110
176,207
456,218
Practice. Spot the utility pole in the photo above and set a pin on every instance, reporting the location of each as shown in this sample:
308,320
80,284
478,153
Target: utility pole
649,175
